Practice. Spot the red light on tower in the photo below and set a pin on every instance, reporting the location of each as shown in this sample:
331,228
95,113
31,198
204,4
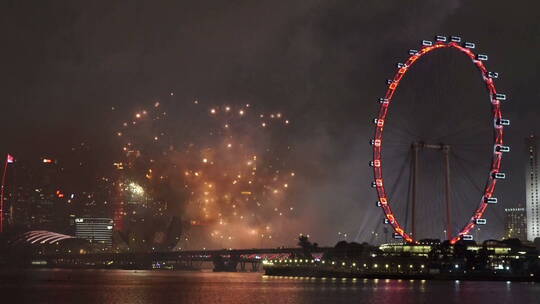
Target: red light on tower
9,160
47,161
59,194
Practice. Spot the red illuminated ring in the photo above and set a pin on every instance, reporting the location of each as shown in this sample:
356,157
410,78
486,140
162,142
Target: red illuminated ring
378,139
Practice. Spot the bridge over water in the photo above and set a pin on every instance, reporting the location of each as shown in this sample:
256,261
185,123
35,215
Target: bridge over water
223,260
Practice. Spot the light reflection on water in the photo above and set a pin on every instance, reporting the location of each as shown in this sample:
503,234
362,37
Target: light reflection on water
129,286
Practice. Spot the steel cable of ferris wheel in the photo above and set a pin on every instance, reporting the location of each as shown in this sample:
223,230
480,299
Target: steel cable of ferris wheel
372,229
392,192
460,162
498,125
466,178
430,215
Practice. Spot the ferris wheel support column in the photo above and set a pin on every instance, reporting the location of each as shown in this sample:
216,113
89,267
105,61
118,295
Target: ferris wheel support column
446,151
415,147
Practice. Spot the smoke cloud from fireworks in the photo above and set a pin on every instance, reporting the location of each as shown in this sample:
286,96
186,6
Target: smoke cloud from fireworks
229,178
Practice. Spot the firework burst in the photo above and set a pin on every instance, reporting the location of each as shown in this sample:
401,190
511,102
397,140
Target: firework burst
221,168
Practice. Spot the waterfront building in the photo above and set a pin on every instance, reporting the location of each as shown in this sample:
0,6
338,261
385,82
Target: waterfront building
515,226
95,230
532,188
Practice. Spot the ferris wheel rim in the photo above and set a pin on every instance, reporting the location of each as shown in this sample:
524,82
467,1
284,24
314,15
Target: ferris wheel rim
498,127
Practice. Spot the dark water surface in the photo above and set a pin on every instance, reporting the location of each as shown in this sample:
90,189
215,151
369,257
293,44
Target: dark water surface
129,286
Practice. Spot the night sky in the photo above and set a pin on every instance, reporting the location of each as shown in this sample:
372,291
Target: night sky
66,64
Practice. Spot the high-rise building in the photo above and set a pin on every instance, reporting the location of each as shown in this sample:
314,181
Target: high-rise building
95,230
515,226
36,197
532,188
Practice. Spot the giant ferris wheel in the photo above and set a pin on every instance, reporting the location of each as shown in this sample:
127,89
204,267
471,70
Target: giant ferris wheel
443,152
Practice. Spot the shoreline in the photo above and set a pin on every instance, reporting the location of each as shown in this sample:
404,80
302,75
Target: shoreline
317,272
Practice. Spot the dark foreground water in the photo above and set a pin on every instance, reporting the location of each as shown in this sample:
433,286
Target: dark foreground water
129,286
